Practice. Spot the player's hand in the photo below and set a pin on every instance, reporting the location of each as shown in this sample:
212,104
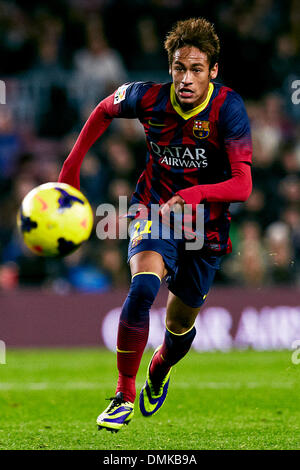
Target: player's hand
176,202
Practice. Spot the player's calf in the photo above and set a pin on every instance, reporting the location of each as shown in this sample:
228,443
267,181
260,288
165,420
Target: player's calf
174,348
133,330
155,389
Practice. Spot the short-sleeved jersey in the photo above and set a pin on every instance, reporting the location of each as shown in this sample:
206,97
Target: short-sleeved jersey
187,148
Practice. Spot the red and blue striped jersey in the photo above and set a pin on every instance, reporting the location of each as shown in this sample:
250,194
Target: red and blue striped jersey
187,148
202,154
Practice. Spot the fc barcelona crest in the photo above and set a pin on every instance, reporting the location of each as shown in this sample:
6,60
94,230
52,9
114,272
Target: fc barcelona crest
201,129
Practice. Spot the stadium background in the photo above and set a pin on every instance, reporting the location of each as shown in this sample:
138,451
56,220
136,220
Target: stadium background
58,60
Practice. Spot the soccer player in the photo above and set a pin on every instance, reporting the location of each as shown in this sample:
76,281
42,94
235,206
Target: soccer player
199,152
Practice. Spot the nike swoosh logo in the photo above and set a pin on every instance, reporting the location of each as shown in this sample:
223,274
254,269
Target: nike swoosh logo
156,124
149,407
44,204
120,351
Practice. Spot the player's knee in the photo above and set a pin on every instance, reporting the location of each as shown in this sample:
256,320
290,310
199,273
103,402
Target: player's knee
144,288
179,326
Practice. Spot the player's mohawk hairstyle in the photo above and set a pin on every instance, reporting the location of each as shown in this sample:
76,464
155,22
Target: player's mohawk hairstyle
197,32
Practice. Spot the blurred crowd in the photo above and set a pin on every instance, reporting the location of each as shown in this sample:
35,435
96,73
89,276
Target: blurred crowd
60,59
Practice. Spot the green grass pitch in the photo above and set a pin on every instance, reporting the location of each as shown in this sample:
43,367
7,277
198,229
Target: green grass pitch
50,399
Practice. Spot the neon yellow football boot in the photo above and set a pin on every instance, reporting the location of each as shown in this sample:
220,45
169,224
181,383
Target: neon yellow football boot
150,400
118,413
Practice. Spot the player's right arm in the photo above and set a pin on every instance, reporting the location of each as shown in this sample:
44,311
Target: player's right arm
122,103
94,127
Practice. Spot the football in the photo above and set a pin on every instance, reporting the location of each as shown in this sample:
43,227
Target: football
54,219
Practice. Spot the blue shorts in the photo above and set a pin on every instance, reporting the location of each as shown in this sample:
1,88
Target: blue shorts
190,272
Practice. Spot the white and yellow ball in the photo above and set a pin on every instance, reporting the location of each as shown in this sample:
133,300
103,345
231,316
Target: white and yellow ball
55,219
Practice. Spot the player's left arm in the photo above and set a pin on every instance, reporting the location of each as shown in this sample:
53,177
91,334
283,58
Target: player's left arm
237,189
235,127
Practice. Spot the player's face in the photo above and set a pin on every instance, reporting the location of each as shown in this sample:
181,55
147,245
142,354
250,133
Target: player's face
191,76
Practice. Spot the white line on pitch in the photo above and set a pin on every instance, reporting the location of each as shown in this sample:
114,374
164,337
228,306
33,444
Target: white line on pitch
99,386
